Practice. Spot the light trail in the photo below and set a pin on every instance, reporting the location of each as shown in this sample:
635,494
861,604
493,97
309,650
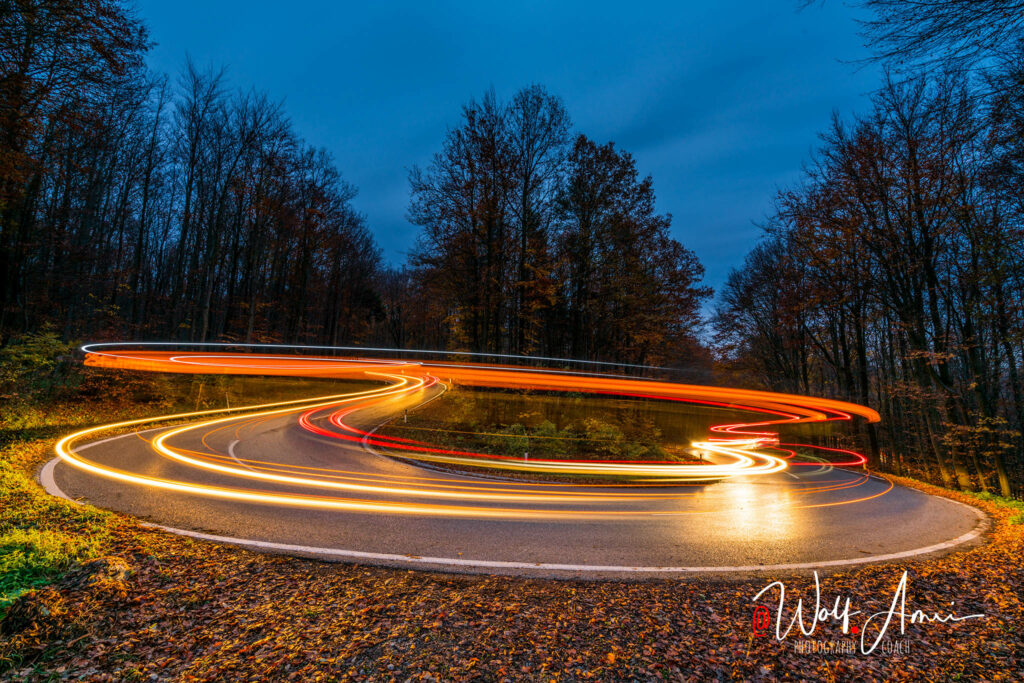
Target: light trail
742,449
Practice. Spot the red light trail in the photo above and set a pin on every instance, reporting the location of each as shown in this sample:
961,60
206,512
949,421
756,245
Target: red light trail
747,449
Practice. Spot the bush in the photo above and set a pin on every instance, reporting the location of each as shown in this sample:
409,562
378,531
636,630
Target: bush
32,364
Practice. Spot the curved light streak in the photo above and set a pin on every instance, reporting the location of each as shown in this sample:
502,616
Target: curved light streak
744,447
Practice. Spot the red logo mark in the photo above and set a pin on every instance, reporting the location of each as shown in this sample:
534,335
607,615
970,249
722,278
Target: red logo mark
762,619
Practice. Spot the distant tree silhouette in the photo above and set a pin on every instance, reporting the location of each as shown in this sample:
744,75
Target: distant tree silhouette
627,289
893,276
132,206
531,246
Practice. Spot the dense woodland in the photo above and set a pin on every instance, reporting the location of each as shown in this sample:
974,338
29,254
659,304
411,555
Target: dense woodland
140,205
536,241
893,274
177,207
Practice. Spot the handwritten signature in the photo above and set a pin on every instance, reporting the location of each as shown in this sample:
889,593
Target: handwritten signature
840,611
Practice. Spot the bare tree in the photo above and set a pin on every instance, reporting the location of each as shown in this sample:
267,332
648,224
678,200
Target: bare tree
952,33
538,136
890,276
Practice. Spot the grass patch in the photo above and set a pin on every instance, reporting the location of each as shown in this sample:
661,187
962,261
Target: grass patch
1001,502
45,397
41,537
31,557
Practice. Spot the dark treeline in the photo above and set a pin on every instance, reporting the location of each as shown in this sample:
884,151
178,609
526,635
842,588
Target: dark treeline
893,275
137,205
538,241
144,206
133,204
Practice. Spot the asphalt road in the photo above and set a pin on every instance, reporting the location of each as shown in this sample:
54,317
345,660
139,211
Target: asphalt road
801,519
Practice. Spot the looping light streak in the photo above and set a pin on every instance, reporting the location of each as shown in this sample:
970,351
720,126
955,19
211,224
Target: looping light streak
742,449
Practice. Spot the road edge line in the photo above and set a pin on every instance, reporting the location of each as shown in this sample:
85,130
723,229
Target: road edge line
49,483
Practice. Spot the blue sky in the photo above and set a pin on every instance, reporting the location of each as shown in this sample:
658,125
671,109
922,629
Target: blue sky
721,102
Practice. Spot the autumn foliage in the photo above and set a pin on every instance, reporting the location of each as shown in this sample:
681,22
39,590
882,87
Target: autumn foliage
892,275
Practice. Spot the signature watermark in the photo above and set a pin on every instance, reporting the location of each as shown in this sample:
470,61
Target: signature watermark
870,630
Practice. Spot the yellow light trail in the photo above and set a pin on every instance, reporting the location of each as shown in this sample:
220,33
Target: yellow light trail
740,447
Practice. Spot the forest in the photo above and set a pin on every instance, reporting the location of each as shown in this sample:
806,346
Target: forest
140,205
177,207
892,274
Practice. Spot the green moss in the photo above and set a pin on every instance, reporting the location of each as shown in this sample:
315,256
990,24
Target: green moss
31,557
1000,501
41,537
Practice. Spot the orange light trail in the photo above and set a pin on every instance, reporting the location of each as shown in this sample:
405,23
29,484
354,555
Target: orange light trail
740,449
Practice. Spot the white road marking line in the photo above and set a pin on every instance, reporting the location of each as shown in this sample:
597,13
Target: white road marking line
231,452
48,482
